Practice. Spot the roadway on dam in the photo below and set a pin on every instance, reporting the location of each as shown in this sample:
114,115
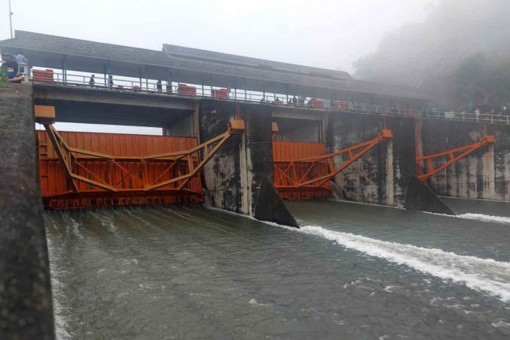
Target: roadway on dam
352,271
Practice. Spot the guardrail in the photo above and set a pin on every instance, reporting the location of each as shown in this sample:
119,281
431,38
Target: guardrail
241,95
498,119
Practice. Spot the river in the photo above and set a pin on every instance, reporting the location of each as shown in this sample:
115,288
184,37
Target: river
352,271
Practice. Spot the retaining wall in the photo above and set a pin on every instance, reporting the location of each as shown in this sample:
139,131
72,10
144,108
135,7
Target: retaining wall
25,294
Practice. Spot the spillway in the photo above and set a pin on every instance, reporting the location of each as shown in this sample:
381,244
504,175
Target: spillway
358,271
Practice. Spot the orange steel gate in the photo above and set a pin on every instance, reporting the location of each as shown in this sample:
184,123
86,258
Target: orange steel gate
121,174
81,170
286,172
303,170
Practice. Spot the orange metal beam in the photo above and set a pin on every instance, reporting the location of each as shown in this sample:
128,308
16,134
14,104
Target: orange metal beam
454,155
314,172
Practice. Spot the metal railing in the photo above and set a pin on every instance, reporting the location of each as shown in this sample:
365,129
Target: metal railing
488,118
240,95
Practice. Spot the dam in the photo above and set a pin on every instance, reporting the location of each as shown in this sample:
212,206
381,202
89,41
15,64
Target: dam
241,219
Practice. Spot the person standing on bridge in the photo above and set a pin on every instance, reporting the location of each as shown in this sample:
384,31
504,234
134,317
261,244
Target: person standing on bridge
159,86
92,80
21,60
110,81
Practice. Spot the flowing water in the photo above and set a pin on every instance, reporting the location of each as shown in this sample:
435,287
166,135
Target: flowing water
351,272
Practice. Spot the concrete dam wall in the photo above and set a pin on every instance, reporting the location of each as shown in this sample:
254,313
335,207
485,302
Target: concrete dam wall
382,175
239,177
25,294
484,174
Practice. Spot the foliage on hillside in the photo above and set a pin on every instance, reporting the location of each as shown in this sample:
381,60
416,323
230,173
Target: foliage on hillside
460,55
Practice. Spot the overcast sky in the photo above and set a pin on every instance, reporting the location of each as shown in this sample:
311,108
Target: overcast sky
330,34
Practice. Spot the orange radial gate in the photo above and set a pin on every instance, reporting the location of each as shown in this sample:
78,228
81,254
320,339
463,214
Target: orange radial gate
81,170
303,170
449,157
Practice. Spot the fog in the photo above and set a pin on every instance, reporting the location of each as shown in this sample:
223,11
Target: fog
455,50
460,54
325,33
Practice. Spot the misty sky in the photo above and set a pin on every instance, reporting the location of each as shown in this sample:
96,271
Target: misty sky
329,34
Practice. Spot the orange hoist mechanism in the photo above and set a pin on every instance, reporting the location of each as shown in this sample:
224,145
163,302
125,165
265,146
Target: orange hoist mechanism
452,155
130,174
308,177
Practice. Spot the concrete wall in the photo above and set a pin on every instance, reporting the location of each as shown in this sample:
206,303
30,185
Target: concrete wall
382,175
299,130
239,177
181,127
484,174
25,295
235,175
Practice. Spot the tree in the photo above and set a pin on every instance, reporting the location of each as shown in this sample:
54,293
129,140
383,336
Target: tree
469,78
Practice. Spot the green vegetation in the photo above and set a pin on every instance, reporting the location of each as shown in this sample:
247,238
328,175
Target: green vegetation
477,80
459,55
3,77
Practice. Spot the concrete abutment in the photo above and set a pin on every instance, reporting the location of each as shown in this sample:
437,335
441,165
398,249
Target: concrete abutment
25,294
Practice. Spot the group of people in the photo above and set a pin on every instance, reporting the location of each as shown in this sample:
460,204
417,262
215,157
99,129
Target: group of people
14,66
92,83
485,109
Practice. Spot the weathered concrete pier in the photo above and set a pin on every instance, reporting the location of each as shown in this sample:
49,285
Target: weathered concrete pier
240,133
25,295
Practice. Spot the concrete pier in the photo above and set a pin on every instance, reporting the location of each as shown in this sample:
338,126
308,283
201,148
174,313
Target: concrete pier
383,174
25,294
236,174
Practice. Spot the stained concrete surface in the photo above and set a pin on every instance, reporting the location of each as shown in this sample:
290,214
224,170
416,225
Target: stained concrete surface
25,294
270,207
483,174
234,176
382,175
421,198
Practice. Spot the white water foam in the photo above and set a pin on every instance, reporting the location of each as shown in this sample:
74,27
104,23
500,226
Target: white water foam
490,276
476,217
485,218
57,294
106,221
479,274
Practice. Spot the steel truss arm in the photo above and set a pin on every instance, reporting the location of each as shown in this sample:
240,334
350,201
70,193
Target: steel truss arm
454,155
287,173
73,158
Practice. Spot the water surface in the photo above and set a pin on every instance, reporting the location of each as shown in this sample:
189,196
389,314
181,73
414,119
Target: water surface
353,272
